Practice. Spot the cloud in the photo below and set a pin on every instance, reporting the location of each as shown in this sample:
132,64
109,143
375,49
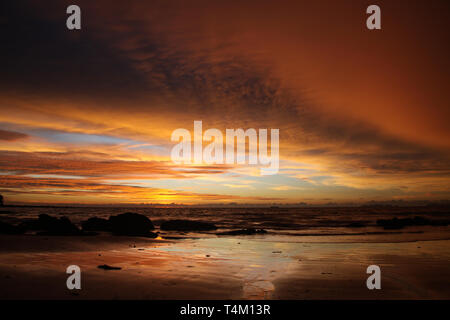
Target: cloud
285,188
67,164
11,135
95,103
77,189
238,186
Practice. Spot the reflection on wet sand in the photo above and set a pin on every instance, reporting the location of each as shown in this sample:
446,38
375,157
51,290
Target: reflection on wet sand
254,267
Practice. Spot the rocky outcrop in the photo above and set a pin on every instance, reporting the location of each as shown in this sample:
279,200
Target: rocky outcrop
132,224
356,224
397,223
52,226
107,267
187,225
243,232
6,228
96,224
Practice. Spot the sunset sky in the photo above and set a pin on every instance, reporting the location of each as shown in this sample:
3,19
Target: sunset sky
86,116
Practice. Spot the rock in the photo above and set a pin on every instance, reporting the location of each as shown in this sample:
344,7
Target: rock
394,223
244,232
107,267
132,224
397,223
187,225
6,228
96,224
31,224
55,226
52,226
355,225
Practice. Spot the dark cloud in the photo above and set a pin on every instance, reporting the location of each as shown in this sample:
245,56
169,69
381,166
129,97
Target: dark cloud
41,57
11,135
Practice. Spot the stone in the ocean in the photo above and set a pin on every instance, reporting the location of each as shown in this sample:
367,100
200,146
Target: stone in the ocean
243,232
107,267
6,228
187,225
96,224
52,226
132,224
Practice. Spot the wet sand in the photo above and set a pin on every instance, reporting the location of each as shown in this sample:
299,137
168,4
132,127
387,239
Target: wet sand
251,267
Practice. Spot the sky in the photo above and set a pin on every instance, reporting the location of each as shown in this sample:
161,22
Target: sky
86,116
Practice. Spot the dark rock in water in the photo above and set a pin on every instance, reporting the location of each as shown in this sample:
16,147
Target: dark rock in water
187,225
394,223
132,224
6,228
52,226
106,267
31,224
245,232
355,225
397,223
55,226
96,224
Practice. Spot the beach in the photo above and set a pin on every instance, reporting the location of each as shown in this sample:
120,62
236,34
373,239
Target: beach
243,267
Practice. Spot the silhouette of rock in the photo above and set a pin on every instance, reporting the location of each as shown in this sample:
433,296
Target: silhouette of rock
96,224
55,226
355,225
31,225
52,226
107,267
187,225
132,224
6,228
1,200
397,223
244,232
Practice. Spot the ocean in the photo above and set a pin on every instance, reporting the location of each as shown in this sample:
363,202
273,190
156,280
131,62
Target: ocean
282,224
